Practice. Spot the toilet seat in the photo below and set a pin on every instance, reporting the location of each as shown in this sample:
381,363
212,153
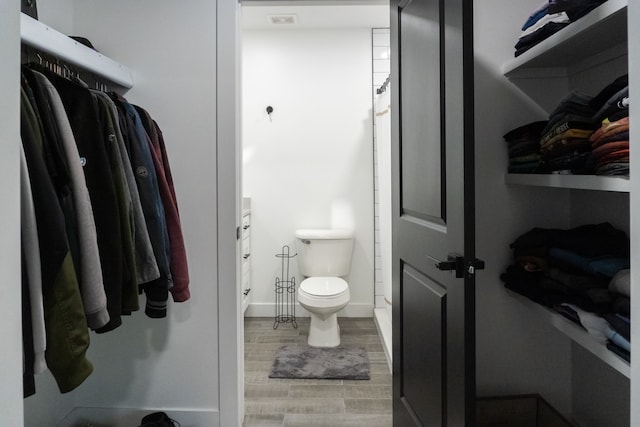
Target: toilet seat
324,287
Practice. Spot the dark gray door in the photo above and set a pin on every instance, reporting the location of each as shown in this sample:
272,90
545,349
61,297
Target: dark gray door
433,218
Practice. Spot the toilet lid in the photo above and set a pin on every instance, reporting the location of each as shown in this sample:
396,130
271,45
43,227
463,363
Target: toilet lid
324,286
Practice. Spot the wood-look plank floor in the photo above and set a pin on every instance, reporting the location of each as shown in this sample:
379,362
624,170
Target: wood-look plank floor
271,402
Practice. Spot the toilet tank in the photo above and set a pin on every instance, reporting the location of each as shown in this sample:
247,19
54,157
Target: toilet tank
324,252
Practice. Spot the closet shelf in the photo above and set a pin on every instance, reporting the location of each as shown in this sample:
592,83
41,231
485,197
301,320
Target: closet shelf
593,34
42,37
576,182
576,334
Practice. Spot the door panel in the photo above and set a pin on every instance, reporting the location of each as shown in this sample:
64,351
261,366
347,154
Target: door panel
421,163
424,303
433,212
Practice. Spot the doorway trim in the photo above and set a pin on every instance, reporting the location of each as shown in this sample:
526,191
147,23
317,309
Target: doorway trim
229,198
228,169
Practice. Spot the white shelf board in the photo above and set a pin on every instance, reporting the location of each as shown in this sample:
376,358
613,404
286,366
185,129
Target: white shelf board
42,37
599,30
576,334
577,182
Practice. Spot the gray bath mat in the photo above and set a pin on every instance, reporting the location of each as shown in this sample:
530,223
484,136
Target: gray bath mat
346,363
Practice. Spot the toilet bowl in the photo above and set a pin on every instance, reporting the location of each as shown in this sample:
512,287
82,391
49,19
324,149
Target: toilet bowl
323,297
324,255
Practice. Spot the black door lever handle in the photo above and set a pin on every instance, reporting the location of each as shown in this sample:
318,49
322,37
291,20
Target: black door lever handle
454,262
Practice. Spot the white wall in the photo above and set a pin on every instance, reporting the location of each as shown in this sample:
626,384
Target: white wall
169,363
311,164
11,408
516,352
57,14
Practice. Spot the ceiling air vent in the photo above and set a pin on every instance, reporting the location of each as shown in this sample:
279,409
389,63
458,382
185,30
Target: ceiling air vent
288,19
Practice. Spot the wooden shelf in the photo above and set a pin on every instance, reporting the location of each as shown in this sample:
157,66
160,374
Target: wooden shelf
577,182
576,334
591,35
40,36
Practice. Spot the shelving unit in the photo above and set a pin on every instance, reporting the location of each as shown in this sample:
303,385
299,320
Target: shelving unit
576,334
598,37
576,182
42,37
596,40
590,36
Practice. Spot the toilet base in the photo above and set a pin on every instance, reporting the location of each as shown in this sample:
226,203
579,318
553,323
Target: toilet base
324,330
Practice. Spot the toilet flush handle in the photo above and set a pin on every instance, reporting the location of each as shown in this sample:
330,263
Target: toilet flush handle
306,242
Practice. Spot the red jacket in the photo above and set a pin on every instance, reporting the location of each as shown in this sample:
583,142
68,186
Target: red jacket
178,261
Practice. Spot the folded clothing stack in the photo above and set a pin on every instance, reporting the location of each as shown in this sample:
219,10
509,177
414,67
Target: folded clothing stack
523,144
564,144
610,142
551,17
584,135
582,273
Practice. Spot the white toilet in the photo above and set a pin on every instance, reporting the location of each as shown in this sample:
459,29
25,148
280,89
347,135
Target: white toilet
323,256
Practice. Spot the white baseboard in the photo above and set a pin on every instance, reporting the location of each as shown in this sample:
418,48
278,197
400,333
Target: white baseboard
129,417
383,322
267,309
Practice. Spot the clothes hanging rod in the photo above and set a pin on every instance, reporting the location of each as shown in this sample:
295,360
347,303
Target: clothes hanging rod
42,37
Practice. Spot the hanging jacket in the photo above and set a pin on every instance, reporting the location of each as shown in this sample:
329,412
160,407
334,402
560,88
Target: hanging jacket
88,259
129,286
146,265
32,269
178,260
83,117
156,291
66,327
